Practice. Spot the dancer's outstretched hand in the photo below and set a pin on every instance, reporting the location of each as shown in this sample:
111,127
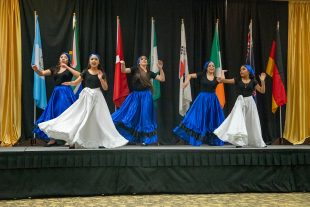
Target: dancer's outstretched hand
262,76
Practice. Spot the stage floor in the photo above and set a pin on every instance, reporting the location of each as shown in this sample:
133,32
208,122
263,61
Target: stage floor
160,147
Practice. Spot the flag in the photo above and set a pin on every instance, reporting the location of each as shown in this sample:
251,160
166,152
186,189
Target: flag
121,89
75,60
249,60
275,71
154,62
185,96
216,59
39,89
250,52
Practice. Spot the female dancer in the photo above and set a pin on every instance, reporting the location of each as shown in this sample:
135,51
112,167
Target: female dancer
205,114
62,96
242,126
87,123
136,119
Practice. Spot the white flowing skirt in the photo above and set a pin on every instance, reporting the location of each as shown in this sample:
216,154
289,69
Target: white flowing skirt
86,124
242,126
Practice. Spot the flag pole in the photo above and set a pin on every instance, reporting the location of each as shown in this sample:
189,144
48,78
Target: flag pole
152,42
281,135
33,140
182,22
117,20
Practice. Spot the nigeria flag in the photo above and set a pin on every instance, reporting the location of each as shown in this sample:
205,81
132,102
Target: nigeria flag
154,62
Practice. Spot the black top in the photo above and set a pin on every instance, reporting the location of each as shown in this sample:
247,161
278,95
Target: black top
205,84
245,89
137,76
89,80
59,78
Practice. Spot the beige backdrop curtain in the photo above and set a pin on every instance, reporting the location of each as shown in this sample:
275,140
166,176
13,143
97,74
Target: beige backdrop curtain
10,72
297,125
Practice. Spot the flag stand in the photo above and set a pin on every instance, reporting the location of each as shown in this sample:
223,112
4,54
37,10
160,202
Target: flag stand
33,141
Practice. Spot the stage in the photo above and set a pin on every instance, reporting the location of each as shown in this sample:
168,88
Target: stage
59,171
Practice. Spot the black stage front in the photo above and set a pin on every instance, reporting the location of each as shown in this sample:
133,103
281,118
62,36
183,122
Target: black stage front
58,171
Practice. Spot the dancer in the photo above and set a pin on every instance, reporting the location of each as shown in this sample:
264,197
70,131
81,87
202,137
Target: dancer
242,126
87,123
205,114
136,118
62,96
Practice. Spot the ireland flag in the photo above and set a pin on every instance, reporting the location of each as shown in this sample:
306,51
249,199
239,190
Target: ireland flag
216,59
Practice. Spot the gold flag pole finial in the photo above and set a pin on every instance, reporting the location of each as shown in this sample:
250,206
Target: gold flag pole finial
74,21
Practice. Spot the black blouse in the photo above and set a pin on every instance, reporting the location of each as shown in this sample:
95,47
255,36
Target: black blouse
136,83
89,80
59,78
206,85
245,89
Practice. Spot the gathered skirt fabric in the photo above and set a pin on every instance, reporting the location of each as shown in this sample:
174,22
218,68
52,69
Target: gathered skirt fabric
62,98
78,90
203,117
136,118
242,126
86,124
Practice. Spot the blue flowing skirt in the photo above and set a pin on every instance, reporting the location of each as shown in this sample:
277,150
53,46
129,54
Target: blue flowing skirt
203,117
61,99
136,119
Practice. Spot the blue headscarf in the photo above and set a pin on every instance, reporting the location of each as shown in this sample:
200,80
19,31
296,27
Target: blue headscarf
138,61
250,69
205,66
68,56
95,54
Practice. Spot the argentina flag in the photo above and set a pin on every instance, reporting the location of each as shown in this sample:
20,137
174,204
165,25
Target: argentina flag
39,89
